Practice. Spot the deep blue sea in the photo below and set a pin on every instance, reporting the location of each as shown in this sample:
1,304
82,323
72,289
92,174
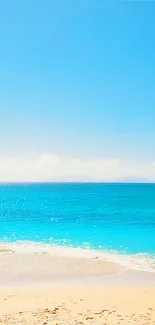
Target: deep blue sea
105,217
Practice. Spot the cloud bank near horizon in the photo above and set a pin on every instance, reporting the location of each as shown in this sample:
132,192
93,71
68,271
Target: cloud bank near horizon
51,167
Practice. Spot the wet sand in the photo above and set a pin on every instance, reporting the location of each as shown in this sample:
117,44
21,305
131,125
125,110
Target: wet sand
19,268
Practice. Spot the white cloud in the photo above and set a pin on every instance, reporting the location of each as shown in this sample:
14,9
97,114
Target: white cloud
49,167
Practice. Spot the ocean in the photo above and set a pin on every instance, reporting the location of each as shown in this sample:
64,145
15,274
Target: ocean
116,221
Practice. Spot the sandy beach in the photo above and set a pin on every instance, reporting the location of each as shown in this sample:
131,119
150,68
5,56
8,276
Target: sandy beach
74,304
41,288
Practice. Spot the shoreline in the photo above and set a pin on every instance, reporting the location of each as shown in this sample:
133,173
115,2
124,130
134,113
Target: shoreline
18,268
140,262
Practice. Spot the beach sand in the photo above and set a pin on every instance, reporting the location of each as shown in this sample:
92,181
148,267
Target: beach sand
49,289
74,304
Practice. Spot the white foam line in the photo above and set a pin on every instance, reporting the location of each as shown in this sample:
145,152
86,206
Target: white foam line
141,262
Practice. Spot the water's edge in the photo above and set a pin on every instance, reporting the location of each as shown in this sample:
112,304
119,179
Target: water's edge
139,262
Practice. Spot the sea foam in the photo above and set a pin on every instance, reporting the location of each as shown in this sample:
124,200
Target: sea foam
141,262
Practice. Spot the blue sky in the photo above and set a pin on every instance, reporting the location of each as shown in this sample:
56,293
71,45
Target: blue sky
77,79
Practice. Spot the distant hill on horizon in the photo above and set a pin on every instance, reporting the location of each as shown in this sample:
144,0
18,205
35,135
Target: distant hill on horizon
81,179
133,180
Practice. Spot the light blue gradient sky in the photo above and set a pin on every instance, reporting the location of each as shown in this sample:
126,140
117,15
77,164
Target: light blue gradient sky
77,78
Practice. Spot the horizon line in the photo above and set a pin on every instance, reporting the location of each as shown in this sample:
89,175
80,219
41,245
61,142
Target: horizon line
77,182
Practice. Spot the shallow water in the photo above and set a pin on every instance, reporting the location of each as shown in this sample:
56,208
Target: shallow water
113,219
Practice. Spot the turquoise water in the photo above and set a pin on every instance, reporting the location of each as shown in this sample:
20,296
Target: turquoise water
118,217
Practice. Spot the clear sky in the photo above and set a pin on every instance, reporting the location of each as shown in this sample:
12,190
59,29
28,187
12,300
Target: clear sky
77,89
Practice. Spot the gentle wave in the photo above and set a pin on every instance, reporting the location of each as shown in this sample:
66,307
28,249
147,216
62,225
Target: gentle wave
141,262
